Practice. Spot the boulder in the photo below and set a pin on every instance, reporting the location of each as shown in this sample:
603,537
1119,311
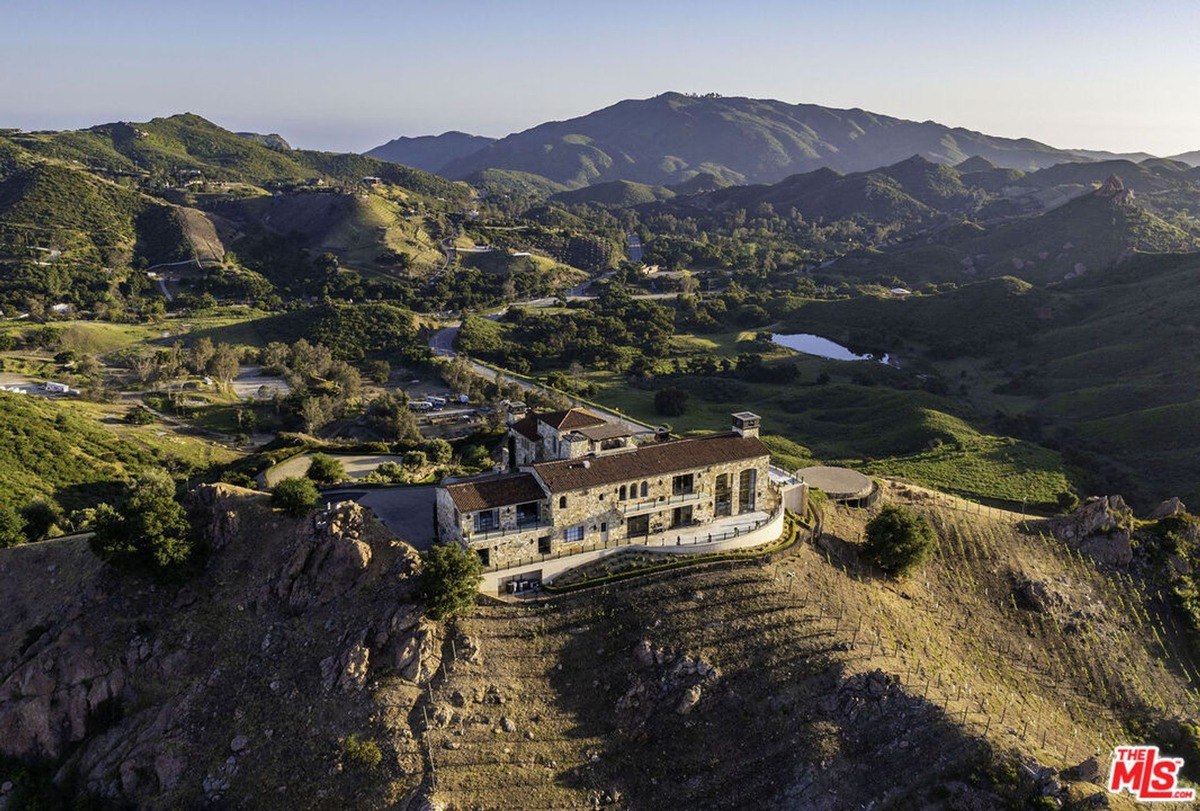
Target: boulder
691,697
1113,549
1172,506
1101,514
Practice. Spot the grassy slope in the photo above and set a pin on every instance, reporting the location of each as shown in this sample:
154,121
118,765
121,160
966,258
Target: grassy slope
61,451
1109,357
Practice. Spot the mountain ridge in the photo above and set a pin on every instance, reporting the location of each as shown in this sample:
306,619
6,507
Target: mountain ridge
669,138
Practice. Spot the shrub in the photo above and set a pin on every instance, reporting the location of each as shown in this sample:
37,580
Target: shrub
39,517
416,459
1067,501
295,496
325,469
139,415
238,478
150,530
898,540
378,370
362,752
390,472
450,580
670,402
439,451
12,527
476,456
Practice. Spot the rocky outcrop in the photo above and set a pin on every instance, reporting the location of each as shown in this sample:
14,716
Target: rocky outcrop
1168,508
162,695
62,688
1096,515
1113,548
667,679
330,562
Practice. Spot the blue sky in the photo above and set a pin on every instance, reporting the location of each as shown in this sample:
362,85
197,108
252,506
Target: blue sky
350,75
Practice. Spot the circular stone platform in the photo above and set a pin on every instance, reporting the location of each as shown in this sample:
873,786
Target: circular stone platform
838,483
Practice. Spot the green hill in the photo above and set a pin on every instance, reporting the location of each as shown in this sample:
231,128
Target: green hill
614,194
165,147
1089,233
905,193
61,454
68,234
1100,366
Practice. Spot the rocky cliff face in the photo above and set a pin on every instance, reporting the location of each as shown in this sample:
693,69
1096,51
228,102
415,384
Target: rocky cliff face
240,685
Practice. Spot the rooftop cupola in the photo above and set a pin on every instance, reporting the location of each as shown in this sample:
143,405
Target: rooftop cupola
746,424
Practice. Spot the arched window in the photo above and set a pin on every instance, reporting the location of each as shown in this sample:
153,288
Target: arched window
645,489
621,496
562,502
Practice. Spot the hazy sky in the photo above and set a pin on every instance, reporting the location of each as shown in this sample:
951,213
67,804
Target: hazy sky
349,75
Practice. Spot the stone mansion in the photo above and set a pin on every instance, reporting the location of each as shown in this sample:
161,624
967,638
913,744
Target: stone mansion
571,480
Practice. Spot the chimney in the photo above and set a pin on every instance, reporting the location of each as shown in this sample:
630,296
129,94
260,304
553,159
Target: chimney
746,424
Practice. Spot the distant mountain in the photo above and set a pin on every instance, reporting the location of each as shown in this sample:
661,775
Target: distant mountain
903,193
1101,155
274,140
430,152
1190,158
670,138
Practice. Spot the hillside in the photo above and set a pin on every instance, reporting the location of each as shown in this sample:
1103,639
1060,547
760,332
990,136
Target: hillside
167,147
69,234
614,194
61,454
1087,234
1095,366
906,192
79,210
430,152
671,138
990,679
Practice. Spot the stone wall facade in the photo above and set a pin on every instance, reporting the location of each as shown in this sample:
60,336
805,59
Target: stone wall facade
603,514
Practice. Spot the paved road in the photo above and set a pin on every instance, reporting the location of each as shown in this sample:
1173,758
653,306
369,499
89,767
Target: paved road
406,511
442,343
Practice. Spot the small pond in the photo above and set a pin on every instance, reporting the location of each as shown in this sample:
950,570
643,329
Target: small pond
824,348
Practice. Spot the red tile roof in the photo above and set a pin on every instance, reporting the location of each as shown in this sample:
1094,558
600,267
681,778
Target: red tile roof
570,419
527,427
653,459
498,490
566,420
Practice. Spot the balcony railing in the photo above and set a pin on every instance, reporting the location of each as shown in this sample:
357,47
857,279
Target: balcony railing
649,505
521,526
671,538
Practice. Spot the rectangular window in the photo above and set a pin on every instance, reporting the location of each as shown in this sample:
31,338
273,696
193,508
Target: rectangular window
683,485
487,520
637,526
573,534
544,545
484,557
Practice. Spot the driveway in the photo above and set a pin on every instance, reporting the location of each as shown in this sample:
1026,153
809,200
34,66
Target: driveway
406,511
